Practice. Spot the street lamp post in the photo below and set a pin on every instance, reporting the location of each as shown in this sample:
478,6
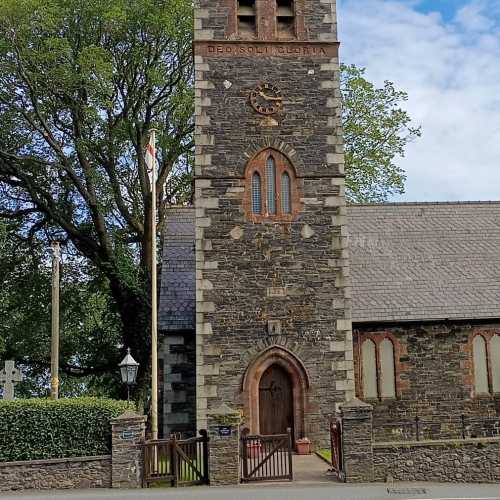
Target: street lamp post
129,368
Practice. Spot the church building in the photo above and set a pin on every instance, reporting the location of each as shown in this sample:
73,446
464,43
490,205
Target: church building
279,300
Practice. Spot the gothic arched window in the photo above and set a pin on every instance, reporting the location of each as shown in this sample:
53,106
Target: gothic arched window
369,355
481,385
285,193
378,367
495,362
387,371
271,187
256,194
486,363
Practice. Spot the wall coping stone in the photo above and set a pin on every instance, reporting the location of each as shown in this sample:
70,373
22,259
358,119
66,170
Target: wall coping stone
49,461
129,416
441,442
356,404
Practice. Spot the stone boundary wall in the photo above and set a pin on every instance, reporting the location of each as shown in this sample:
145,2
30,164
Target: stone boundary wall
461,461
56,473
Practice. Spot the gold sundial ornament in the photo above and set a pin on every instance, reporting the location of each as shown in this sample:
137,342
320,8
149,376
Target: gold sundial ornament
266,99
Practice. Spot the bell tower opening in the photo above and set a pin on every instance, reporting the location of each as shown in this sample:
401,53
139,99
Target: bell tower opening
285,19
247,16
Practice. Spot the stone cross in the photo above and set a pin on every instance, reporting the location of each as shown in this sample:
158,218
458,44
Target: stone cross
8,377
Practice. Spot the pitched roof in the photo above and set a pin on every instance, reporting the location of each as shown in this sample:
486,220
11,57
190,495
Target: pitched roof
178,275
425,261
409,262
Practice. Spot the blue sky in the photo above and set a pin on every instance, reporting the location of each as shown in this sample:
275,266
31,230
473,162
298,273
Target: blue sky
446,55
447,8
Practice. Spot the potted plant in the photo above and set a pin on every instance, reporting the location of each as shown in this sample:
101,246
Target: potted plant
303,446
254,449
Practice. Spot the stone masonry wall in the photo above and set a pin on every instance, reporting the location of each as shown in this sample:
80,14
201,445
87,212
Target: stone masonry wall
58,473
471,461
295,272
434,380
178,383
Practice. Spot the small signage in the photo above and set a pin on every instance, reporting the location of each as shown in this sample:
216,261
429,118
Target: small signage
225,431
127,435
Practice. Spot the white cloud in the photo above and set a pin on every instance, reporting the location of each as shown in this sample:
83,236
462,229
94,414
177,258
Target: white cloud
452,74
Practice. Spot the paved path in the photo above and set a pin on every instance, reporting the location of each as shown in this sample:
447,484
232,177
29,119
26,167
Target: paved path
286,491
310,468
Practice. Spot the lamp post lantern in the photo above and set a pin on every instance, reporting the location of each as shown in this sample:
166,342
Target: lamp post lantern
128,368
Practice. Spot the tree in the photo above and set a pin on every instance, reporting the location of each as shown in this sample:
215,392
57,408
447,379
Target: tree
89,323
376,132
81,84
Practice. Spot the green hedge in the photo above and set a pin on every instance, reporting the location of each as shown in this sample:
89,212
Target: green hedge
32,429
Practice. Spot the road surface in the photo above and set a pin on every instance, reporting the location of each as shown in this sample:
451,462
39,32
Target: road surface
287,491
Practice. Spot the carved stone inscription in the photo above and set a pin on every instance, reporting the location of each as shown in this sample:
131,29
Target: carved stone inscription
290,49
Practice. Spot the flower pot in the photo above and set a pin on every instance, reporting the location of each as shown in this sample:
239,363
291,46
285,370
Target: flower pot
303,446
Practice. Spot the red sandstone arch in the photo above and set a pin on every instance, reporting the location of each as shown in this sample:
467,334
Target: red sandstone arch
298,376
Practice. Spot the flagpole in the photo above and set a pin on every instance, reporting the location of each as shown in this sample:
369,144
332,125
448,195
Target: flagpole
154,304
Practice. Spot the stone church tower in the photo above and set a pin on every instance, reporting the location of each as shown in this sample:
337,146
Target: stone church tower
273,313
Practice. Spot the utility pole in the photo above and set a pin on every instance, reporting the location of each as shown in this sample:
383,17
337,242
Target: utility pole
54,351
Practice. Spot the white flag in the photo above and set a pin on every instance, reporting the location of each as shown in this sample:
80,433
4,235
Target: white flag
151,157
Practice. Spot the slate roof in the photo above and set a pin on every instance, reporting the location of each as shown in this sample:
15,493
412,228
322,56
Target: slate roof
425,261
409,262
178,277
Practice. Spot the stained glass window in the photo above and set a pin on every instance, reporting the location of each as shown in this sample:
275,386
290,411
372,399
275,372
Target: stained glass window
256,194
285,193
271,185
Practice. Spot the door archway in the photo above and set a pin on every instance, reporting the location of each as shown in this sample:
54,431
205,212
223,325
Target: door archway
287,372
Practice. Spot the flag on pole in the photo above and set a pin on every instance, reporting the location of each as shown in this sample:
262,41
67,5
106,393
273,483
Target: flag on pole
151,157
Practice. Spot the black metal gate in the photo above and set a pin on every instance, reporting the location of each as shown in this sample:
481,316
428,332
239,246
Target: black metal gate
266,458
336,449
178,462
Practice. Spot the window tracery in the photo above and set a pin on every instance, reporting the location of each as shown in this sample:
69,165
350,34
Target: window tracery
272,190
486,363
378,368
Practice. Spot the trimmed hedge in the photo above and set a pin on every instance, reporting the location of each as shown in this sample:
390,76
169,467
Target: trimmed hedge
32,429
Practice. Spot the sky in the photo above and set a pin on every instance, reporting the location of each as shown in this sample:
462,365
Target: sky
446,55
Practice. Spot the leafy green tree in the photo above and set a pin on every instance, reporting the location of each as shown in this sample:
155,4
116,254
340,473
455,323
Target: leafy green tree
81,85
376,132
90,326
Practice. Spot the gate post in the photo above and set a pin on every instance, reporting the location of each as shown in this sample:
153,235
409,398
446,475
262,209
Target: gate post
224,454
357,441
127,450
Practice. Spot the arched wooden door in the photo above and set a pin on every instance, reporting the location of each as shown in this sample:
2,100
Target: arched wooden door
275,402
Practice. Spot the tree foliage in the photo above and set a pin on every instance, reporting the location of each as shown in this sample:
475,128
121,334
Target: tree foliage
90,325
376,132
81,85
